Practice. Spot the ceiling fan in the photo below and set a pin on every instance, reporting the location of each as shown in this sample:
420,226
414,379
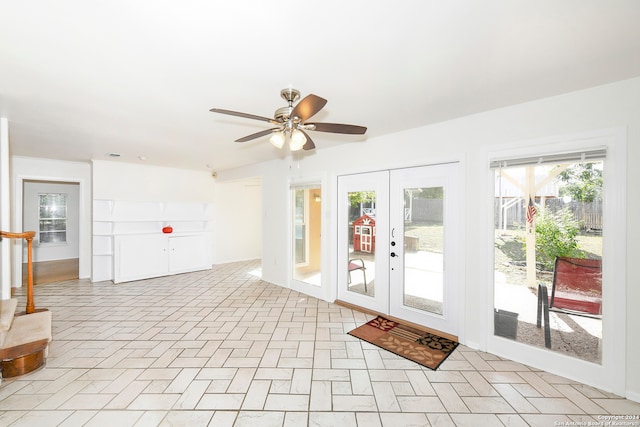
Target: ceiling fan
291,122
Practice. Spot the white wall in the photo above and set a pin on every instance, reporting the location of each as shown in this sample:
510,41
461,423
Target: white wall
239,212
37,169
141,182
469,139
52,251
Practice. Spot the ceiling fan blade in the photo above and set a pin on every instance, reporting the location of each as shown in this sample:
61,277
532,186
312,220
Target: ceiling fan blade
245,115
257,135
307,107
309,145
338,128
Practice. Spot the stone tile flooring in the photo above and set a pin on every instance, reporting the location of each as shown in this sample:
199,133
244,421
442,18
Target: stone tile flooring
221,348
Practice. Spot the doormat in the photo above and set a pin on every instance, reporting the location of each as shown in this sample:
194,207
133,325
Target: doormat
422,347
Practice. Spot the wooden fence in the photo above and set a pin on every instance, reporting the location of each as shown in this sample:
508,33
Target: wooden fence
588,214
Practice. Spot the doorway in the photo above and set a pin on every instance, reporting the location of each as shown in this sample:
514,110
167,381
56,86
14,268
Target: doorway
399,244
52,210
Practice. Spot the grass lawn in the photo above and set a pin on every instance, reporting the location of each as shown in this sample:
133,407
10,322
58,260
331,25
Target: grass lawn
430,236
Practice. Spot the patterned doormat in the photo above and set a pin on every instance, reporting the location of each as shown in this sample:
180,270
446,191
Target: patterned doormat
425,348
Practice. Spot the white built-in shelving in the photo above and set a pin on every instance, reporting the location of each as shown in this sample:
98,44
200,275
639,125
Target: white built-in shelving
119,226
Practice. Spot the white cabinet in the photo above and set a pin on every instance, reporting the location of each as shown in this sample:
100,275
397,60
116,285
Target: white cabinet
128,243
188,253
141,256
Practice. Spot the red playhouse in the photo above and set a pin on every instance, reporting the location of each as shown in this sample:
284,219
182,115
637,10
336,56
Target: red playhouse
364,234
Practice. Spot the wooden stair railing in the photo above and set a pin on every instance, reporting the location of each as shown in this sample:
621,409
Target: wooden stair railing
28,235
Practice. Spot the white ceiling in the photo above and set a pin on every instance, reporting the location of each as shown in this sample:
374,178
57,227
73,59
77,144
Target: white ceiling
80,79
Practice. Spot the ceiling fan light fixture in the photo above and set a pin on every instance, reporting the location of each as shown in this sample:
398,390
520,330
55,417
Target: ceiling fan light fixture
297,140
277,139
291,122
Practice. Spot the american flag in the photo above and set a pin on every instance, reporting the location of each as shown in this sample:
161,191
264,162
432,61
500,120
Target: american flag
531,211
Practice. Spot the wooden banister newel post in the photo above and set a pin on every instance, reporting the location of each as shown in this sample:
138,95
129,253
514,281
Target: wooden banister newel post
28,235
31,307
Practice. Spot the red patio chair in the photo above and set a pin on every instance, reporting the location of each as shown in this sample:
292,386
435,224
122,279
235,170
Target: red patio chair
576,289
358,264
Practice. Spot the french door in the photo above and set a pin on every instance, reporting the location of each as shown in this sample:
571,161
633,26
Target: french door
409,265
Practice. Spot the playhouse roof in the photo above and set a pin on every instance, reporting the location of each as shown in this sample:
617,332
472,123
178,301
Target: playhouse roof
365,219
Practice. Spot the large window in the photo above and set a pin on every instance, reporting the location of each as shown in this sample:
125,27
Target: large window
52,218
548,218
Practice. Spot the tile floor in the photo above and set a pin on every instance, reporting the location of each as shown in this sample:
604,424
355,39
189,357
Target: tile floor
222,348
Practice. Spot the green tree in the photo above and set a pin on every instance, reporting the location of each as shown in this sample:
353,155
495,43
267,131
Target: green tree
556,236
583,182
358,197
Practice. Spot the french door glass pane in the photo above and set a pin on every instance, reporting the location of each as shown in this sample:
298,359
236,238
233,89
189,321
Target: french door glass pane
545,213
423,248
361,223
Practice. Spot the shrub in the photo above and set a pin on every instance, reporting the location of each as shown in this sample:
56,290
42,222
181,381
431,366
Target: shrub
556,236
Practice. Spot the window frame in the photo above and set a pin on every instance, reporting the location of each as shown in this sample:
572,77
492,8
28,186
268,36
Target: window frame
41,219
610,375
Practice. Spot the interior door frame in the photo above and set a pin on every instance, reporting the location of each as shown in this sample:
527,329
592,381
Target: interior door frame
84,257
